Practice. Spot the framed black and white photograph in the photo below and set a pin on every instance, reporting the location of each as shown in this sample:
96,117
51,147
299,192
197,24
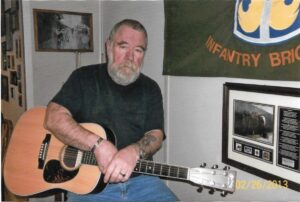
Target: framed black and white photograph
19,72
4,56
8,61
14,21
14,78
12,57
15,5
261,132
63,31
20,87
254,121
19,48
12,92
8,30
4,88
20,100
3,31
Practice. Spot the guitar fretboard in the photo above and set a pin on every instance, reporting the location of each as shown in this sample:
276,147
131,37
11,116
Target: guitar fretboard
147,167
163,170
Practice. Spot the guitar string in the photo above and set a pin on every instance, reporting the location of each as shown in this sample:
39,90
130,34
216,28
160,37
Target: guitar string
148,167
145,166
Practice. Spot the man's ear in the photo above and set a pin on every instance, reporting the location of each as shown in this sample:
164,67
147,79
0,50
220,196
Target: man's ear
108,46
108,49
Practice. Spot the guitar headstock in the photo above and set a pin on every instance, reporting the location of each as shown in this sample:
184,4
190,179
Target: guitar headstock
214,178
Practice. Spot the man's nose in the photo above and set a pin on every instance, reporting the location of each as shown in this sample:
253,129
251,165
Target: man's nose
129,55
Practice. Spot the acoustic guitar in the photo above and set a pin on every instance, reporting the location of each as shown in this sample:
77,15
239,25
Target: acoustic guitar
37,162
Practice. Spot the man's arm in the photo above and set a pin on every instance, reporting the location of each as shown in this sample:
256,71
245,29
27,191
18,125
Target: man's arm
59,121
150,143
125,160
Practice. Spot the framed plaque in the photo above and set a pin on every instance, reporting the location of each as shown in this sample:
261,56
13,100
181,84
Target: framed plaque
261,132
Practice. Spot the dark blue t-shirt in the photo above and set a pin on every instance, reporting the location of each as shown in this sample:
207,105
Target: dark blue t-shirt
129,111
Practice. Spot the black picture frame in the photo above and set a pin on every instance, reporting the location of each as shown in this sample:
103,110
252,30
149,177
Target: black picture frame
3,26
15,21
273,156
8,30
63,31
13,78
4,88
4,56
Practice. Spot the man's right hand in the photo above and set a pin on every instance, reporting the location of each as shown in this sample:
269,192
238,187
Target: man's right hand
104,154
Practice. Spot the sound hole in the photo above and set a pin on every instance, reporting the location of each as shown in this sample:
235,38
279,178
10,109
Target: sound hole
54,173
70,156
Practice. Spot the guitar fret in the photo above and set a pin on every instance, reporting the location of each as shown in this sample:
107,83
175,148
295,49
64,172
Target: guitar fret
157,169
173,171
165,170
149,168
139,166
182,173
143,166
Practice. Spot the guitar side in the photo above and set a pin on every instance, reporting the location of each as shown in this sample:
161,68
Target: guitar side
32,162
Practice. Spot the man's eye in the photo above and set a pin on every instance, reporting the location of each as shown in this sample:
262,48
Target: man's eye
139,50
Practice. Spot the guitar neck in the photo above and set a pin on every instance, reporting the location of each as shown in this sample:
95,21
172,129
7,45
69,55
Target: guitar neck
221,179
148,167
162,170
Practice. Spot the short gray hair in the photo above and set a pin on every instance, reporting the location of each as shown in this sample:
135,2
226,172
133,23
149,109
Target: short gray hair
134,24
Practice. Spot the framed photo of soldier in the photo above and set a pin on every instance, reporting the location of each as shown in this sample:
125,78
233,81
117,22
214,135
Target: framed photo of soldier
261,132
254,121
63,31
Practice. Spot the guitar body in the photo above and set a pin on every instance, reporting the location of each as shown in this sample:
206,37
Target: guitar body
32,162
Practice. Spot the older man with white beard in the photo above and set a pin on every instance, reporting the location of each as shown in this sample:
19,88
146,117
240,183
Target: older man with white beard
115,95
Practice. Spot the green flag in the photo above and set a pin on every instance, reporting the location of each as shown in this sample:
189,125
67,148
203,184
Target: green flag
228,38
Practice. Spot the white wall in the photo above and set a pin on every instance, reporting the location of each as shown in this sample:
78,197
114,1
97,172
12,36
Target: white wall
195,130
193,105
49,70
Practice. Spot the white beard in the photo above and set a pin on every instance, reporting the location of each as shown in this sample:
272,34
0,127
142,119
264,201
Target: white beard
119,73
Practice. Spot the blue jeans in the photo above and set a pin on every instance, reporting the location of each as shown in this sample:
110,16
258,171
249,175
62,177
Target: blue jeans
141,188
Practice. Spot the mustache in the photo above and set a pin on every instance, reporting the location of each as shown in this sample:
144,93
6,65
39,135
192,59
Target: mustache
128,64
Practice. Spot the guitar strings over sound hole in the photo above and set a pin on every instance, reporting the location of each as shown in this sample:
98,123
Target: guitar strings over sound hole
70,157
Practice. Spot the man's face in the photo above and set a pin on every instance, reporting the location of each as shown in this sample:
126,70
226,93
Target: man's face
126,53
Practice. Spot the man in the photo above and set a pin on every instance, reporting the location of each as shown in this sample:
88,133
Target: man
118,96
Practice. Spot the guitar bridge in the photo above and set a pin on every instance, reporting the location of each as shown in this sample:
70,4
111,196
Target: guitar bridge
43,151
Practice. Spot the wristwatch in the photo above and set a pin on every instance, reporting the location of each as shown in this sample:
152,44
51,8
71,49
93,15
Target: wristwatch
100,139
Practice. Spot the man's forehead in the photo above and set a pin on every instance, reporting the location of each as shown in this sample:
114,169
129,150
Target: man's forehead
126,34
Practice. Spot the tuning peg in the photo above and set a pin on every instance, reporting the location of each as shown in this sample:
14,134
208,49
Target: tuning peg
215,166
202,165
223,193
200,189
226,168
211,191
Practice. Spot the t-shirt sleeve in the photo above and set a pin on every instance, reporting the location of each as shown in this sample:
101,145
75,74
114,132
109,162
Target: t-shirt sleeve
70,95
155,112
